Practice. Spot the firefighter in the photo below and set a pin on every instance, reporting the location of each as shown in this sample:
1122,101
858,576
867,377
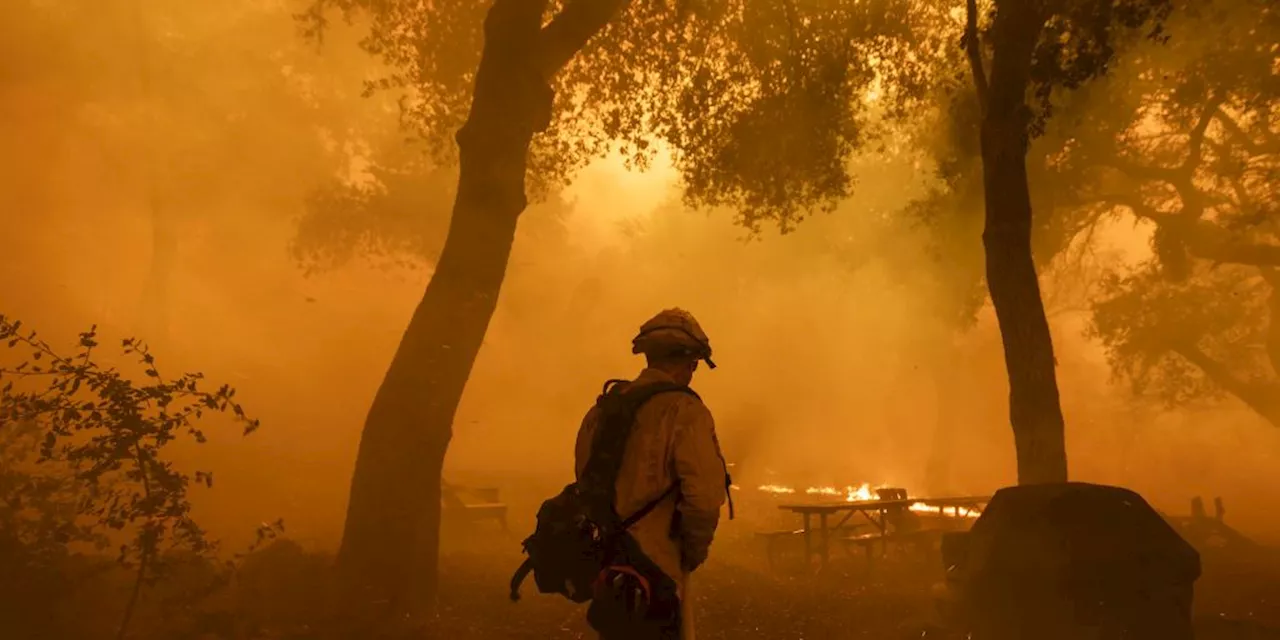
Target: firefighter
672,444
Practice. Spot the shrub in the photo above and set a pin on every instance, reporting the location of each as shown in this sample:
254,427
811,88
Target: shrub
83,468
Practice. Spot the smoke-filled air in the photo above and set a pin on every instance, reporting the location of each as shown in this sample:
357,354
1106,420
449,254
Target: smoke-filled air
725,319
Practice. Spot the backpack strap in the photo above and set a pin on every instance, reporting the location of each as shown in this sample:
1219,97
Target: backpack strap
618,407
526,567
646,509
518,578
609,386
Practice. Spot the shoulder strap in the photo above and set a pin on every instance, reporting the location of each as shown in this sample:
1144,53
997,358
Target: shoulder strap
618,406
605,458
647,508
518,577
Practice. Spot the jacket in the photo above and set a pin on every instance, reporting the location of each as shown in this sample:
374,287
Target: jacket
673,442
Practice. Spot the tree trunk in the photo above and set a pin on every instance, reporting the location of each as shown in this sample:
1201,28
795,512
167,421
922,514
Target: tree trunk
1034,408
388,560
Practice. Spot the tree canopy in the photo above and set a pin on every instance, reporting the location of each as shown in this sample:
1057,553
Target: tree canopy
762,105
1197,162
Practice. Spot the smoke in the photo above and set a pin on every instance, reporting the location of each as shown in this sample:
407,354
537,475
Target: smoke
835,369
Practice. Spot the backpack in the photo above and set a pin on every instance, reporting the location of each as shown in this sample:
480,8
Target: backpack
578,531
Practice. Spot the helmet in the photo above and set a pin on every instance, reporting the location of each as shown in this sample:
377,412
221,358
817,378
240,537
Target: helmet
673,331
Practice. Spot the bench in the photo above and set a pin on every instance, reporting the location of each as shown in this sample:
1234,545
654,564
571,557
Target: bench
484,505
914,537
771,540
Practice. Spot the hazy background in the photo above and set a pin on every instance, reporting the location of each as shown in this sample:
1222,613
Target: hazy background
826,353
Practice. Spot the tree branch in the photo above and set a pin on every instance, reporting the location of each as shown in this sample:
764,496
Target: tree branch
1180,178
569,31
973,48
1207,242
1134,204
1242,137
1195,140
1145,172
1261,397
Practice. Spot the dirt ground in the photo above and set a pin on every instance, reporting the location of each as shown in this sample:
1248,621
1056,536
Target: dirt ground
737,596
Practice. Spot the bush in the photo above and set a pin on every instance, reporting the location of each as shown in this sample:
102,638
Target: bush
83,469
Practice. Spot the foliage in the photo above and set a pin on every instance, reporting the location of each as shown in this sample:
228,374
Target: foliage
1198,161
1079,43
1143,320
397,215
1077,46
84,453
761,104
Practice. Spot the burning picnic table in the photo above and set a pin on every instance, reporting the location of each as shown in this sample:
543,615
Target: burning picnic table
892,515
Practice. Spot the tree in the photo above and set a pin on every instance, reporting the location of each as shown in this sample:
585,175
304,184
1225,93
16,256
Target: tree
1197,162
389,539
1036,47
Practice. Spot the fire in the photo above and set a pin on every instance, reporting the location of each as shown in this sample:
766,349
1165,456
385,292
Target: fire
850,494
774,488
865,492
949,512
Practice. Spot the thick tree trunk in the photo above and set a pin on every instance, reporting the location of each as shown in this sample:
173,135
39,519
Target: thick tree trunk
388,560
1034,408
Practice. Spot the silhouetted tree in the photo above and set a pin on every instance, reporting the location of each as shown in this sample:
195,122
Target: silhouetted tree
1036,46
1198,160
390,542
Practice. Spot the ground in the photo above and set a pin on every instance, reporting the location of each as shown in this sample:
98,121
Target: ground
738,597
280,593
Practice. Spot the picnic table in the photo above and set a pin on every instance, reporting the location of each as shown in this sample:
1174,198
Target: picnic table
876,512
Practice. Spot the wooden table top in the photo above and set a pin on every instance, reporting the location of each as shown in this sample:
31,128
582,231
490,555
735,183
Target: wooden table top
867,505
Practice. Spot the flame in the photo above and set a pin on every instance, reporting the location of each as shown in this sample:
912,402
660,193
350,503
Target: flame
865,492
775,488
949,512
850,494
